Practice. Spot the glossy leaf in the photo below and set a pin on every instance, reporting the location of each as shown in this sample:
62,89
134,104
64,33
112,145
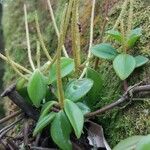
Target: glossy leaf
115,34
76,89
75,116
129,143
124,65
61,130
84,108
133,37
140,61
37,87
95,91
46,108
67,66
144,143
43,122
104,50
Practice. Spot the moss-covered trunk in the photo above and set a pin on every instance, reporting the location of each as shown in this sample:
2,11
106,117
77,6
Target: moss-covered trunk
120,123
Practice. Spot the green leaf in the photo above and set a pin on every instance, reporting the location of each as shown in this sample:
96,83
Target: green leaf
133,37
24,93
140,61
20,84
94,93
144,143
61,130
124,65
46,108
75,116
67,66
104,50
43,122
37,87
84,108
76,89
129,143
115,34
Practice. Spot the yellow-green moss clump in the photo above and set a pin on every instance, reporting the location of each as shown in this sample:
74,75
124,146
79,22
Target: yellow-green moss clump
120,123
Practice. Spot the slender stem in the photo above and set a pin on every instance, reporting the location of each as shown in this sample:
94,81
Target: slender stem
130,17
75,35
28,39
91,40
38,54
55,25
41,39
16,64
122,13
14,67
58,62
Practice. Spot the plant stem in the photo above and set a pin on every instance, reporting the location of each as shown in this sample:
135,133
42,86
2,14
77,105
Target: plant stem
16,64
130,17
41,39
55,25
64,25
28,39
38,54
75,35
91,40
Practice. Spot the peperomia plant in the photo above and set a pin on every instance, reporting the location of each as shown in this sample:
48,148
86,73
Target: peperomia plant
54,88
123,63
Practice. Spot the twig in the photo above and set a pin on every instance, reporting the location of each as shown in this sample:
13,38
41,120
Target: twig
91,40
127,95
25,132
20,102
55,25
12,145
40,148
28,40
5,129
10,116
37,139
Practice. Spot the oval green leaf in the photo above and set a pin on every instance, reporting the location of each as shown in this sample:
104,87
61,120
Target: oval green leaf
43,122
67,66
94,93
104,50
84,108
144,143
75,116
133,37
46,108
37,87
115,34
124,65
76,89
128,144
140,61
61,130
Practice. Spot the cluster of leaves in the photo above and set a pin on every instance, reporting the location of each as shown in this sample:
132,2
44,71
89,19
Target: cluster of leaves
134,143
80,95
123,63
